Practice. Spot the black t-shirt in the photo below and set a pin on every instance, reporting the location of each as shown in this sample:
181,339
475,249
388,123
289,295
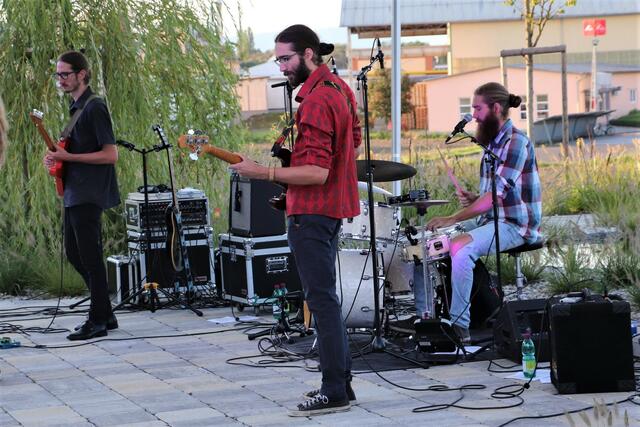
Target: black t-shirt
83,182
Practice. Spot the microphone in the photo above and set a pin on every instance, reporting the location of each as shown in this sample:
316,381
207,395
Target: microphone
128,145
460,126
380,55
334,69
284,83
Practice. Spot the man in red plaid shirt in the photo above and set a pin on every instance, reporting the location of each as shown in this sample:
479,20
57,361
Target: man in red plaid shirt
322,190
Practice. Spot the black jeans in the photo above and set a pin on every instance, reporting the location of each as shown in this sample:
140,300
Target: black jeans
83,245
313,239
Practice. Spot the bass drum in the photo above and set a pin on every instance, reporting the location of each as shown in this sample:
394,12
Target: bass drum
486,298
354,286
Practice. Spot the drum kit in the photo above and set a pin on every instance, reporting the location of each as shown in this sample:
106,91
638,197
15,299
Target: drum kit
398,251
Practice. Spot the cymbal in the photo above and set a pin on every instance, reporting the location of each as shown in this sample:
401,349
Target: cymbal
421,203
384,170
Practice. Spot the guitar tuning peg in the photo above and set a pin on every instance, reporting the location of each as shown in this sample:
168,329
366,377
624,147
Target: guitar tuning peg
193,156
190,132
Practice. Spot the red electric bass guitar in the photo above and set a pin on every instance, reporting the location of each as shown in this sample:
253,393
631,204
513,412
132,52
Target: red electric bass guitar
57,170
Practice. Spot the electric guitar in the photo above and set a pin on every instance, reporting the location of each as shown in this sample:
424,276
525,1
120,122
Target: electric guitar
198,143
57,170
176,243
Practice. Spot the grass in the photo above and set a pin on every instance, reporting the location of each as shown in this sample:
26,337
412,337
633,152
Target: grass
632,119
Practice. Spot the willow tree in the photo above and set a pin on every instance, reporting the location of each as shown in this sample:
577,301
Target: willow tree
161,61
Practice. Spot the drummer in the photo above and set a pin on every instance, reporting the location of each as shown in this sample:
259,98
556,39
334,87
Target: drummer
518,194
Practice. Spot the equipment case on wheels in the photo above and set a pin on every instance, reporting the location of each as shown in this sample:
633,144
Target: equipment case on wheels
252,266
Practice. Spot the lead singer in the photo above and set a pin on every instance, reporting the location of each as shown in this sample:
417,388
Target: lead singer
323,189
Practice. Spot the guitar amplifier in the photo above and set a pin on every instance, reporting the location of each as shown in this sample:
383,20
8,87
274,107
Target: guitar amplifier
154,262
591,346
194,207
251,213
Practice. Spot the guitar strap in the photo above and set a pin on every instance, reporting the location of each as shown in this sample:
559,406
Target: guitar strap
329,83
74,119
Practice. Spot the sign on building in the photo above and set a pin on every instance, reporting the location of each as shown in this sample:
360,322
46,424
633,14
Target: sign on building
594,27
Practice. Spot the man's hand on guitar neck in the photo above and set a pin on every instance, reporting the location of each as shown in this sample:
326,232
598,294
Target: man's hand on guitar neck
250,169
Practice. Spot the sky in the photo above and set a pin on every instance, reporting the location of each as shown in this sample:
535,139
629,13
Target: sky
268,17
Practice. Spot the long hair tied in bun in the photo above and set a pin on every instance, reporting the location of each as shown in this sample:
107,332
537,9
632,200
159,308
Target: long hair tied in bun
325,48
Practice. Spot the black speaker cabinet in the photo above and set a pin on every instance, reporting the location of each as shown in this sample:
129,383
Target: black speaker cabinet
514,319
251,213
591,347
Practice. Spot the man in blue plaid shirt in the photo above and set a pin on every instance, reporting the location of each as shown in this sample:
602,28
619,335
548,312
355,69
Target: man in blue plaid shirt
519,198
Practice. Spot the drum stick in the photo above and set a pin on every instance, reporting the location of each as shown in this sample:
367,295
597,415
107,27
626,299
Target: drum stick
452,177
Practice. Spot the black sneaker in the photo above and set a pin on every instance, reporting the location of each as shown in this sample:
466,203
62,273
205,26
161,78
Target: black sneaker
318,405
463,334
350,394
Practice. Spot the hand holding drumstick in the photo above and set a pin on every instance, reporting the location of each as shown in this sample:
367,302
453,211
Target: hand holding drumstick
465,197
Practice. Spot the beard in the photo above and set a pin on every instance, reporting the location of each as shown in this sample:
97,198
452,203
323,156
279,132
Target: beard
299,75
488,129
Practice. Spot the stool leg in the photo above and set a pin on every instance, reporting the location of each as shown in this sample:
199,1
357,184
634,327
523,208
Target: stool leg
520,279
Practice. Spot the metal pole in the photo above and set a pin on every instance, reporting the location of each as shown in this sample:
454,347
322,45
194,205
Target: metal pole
565,109
396,91
594,77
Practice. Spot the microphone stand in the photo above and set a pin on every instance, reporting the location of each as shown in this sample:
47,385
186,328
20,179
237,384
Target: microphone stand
491,160
147,234
378,343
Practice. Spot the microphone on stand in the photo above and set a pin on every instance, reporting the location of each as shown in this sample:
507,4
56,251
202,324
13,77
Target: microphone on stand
284,83
334,69
460,126
380,55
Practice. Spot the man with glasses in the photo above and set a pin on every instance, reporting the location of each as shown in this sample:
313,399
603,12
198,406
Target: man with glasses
322,190
90,187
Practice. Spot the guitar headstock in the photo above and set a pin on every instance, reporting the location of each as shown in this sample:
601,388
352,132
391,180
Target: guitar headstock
194,141
36,117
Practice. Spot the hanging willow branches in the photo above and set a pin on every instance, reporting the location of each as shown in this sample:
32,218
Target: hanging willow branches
153,61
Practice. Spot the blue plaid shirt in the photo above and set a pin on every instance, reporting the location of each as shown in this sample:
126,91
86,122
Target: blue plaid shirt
517,182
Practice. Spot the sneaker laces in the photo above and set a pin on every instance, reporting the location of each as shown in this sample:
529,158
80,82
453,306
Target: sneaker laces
314,400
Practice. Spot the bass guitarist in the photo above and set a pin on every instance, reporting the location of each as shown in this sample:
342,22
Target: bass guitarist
322,190
90,187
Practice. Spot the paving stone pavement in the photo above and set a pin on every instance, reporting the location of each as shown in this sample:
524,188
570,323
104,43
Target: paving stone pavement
182,378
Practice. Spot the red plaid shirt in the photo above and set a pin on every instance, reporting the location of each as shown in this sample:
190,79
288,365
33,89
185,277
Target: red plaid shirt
328,133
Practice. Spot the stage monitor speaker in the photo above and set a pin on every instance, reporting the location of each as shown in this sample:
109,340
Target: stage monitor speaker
591,346
514,319
435,335
251,213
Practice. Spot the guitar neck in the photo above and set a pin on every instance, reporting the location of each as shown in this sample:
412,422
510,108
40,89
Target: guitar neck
45,135
221,154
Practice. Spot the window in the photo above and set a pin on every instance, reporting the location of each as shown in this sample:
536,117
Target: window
542,106
633,95
465,106
523,107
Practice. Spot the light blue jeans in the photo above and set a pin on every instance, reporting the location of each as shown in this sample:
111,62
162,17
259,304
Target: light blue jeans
462,266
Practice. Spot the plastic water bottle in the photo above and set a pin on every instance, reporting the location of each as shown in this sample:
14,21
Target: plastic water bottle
528,355
283,294
277,311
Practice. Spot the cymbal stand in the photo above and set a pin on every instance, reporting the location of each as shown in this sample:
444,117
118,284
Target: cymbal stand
378,343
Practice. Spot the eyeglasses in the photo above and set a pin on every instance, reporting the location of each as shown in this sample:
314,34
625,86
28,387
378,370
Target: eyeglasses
284,58
63,75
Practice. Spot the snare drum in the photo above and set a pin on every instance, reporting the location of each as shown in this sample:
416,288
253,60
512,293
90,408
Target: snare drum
359,227
436,245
